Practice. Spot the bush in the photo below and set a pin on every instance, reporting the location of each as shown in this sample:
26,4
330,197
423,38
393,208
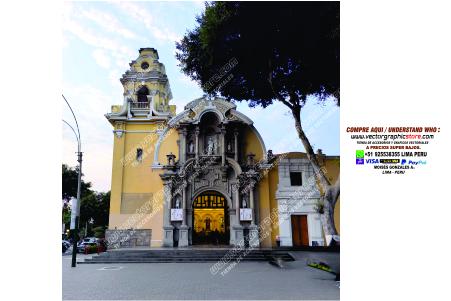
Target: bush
91,249
99,232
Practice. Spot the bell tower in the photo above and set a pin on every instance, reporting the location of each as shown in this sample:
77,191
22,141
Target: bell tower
147,92
138,125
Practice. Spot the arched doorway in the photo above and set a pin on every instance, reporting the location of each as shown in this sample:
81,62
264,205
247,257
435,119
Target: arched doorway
210,219
143,92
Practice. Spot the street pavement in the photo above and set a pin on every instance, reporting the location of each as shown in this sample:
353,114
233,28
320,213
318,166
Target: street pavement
245,280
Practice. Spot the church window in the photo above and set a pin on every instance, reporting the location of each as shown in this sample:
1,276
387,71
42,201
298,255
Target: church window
296,178
139,154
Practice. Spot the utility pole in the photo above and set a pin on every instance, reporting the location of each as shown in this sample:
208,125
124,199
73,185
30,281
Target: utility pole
75,216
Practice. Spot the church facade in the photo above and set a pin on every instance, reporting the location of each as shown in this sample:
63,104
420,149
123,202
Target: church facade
203,176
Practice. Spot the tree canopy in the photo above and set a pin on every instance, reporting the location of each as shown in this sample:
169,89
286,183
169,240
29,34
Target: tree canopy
93,205
284,50
69,183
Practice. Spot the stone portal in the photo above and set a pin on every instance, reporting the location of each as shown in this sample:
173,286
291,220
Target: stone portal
212,179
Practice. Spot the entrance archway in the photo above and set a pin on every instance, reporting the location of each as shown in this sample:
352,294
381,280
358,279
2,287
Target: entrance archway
210,219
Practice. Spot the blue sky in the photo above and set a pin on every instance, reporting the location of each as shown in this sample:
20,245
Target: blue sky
99,41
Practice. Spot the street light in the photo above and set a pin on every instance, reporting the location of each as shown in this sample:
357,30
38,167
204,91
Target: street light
91,222
75,216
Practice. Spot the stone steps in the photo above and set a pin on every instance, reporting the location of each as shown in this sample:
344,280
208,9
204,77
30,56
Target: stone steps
154,256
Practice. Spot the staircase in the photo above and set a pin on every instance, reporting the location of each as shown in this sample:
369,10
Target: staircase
187,255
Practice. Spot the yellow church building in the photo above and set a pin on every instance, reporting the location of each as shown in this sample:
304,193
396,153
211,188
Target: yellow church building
203,176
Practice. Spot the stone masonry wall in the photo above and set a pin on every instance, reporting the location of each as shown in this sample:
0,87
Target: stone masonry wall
128,238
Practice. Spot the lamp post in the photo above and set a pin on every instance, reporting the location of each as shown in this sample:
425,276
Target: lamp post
75,216
91,222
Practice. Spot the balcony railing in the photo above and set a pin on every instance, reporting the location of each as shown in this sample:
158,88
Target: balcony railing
140,105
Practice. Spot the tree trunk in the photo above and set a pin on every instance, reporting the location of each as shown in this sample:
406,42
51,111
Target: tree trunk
327,217
330,192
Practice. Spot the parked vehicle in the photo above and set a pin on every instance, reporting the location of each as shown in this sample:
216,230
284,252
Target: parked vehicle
90,240
66,245
81,248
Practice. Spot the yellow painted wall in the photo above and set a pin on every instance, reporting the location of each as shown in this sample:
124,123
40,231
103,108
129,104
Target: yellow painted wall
265,211
273,178
252,144
131,176
169,145
117,175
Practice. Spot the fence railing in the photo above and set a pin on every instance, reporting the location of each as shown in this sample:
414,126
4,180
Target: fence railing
140,105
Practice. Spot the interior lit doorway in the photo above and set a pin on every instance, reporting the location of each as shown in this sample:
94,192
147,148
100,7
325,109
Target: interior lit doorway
210,219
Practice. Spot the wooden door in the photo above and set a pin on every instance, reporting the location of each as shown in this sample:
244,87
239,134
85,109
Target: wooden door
299,229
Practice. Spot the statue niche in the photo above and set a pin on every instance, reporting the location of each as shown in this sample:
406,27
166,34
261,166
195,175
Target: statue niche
210,133
211,145
191,147
211,142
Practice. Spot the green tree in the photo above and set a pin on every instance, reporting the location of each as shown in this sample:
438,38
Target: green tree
286,51
70,181
93,204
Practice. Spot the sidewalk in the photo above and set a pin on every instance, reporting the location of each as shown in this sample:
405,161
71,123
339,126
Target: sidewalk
246,280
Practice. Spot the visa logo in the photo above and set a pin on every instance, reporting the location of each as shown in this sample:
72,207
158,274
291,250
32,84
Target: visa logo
372,161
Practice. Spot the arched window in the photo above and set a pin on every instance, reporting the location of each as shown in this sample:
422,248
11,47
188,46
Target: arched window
142,94
209,200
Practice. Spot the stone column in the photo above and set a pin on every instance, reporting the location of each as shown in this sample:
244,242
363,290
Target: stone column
238,238
237,201
183,233
182,155
197,131
251,202
236,145
189,222
254,240
233,221
222,142
168,240
184,205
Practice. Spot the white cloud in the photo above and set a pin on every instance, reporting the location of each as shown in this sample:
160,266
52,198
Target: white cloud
200,4
101,58
157,29
89,104
120,53
186,80
114,77
65,42
108,22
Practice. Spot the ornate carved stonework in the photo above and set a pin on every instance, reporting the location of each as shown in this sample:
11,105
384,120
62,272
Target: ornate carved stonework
213,160
200,184
118,133
194,110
